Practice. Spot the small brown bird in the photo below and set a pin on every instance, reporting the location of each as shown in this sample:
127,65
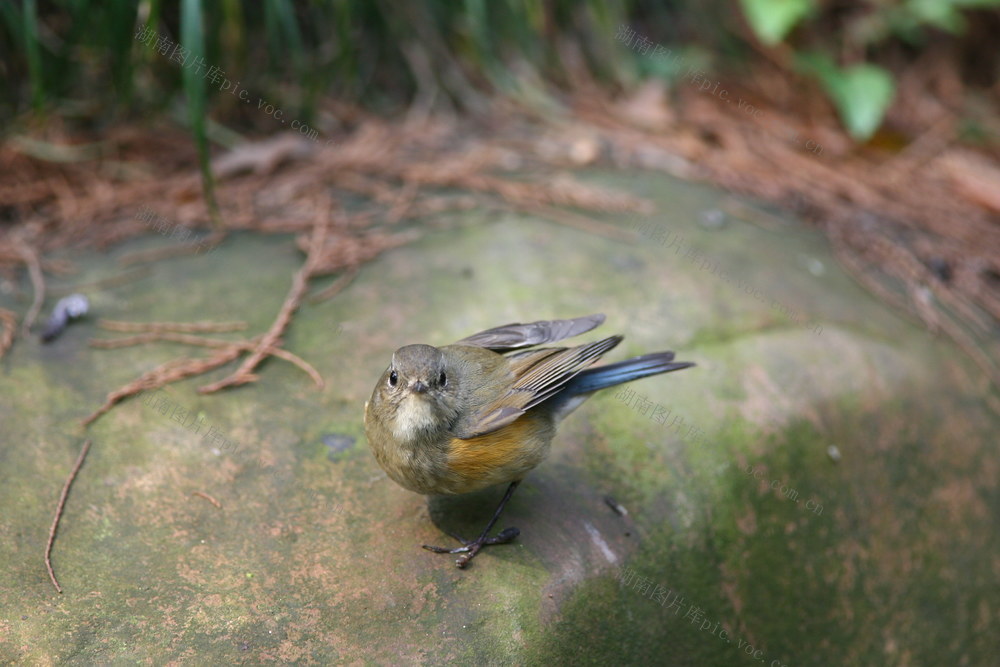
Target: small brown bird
466,416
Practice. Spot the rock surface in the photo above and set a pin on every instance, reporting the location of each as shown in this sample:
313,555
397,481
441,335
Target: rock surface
821,489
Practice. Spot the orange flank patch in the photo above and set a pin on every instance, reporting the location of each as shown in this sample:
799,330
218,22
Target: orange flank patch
511,450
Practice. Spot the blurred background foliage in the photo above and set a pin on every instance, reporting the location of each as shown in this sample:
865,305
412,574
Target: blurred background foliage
95,63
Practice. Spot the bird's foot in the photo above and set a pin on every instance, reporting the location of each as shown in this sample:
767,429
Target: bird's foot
471,548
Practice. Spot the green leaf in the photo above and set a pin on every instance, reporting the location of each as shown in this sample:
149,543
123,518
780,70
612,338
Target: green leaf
861,93
940,14
771,20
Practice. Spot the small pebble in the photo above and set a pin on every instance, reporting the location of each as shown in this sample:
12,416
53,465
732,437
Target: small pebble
617,508
68,308
337,442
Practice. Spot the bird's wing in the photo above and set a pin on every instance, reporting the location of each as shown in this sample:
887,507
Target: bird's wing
521,362
515,336
537,377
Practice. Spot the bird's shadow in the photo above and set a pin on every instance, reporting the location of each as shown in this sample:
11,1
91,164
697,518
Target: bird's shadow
558,516
466,515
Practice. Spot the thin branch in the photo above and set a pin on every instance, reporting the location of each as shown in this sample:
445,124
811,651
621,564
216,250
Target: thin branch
59,511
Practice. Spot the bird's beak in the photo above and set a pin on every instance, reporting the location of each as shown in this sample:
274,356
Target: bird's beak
419,387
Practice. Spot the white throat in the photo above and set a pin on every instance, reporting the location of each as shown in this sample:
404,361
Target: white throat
414,415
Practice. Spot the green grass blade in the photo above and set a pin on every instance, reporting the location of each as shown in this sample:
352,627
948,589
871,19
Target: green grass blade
34,52
193,39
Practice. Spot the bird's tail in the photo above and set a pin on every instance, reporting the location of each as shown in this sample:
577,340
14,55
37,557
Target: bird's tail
603,377
593,379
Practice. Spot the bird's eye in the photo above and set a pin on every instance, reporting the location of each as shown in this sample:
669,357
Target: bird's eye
442,379
393,378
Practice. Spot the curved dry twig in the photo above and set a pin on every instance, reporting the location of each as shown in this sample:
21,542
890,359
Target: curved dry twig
164,374
178,369
300,362
202,494
269,341
59,511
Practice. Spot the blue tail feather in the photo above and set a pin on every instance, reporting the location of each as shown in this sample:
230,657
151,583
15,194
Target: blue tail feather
603,377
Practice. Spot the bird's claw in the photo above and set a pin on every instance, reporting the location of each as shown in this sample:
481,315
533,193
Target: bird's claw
471,548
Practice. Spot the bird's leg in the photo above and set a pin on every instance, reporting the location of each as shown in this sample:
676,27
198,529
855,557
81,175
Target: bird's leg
470,549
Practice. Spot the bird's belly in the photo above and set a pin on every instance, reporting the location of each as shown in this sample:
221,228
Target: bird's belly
499,457
451,465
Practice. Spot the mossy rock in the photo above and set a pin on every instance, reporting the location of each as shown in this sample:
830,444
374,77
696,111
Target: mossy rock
822,490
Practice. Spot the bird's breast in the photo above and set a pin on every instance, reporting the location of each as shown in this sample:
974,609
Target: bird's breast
501,456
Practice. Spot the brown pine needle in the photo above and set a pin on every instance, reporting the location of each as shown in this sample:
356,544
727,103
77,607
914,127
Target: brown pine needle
178,327
269,342
172,371
207,497
9,320
336,287
155,336
59,511
298,361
